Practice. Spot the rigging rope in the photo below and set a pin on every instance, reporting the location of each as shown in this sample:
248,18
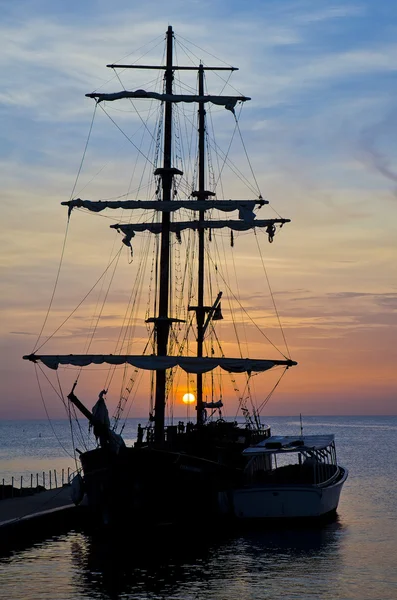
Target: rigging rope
48,416
133,302
65,404
126,136
246,154
161,38
36,347
134,52
266,400
84,152
242,307
272,296
65,237
224,156
70,422
90,338
80,303
199,48
136,111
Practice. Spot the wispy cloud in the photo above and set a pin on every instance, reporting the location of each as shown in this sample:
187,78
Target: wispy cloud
22,333
376,154
320,87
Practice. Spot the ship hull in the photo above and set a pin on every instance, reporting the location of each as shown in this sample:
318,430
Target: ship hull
170,483
146,483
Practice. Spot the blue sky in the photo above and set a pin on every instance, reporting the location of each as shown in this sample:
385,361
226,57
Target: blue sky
321,132
324,72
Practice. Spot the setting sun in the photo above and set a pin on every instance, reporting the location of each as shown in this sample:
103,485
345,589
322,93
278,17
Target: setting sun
188,398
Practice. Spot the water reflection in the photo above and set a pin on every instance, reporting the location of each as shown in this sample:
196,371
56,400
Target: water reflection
114,566
181,565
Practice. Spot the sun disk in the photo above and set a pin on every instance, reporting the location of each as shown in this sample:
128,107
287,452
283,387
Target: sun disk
188,398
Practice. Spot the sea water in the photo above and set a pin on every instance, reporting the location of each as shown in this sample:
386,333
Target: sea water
352,557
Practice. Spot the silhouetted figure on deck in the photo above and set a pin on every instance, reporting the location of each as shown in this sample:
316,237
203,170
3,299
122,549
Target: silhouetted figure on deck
140,434
101,423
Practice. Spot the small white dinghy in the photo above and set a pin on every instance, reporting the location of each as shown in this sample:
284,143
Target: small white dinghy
290,477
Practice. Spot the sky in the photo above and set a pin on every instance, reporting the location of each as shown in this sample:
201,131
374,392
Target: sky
321,132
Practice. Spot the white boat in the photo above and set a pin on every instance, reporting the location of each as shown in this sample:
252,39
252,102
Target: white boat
289,477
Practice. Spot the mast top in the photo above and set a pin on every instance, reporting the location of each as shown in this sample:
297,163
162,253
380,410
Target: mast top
170,32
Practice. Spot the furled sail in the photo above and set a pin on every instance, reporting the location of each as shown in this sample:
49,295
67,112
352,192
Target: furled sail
244,206
228,102
178,226
190,364
218,404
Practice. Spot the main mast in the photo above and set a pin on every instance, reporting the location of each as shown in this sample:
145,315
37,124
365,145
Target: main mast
162,323
201,195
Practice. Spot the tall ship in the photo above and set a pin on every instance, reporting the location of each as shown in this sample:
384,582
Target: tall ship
179,228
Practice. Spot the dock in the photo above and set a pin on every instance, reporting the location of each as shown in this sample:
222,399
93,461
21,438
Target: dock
30,514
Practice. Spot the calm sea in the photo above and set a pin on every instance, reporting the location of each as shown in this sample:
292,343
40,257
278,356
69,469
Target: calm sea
354,557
